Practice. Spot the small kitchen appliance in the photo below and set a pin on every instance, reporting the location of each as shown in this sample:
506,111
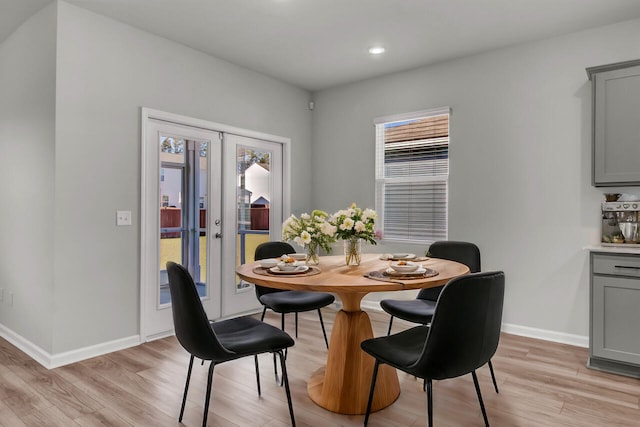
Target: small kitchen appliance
621,223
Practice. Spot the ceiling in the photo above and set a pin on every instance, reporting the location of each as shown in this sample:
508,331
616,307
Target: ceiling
316,44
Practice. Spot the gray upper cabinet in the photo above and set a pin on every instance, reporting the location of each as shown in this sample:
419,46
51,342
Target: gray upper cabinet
616,124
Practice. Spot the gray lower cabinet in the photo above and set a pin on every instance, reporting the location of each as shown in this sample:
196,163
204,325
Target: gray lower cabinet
614,338
616,128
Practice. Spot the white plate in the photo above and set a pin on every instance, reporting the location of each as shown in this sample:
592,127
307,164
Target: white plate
298,270
268,263
391,272
298,256
401,256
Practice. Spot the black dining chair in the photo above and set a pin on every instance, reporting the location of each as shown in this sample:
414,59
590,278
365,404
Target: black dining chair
220,341
283,301
420,310
463,335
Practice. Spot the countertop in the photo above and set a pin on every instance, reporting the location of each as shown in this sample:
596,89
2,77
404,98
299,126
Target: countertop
615,248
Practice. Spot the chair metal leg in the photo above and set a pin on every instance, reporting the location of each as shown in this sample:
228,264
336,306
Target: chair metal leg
285,350
208,395
324,332
390,324
186,388
257,373
429,402
493,377
275,364
296,315
264,311
285,379
484,412
275,367
371,390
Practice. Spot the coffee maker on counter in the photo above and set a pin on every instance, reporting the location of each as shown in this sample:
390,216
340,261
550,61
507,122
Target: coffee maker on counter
621,223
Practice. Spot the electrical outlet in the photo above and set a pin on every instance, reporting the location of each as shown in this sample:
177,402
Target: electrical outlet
123,217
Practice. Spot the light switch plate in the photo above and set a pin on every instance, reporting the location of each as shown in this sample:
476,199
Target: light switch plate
123,217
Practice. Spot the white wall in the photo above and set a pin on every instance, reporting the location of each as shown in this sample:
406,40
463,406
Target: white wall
520,161
107,71
27,113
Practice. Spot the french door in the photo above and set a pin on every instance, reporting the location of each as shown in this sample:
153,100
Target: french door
253,210
209,198
182,168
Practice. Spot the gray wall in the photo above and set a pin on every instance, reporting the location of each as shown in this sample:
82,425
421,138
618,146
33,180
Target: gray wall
27,114
70,135
520,161
106,71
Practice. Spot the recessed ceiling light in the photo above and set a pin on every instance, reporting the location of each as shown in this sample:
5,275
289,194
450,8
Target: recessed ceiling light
376,50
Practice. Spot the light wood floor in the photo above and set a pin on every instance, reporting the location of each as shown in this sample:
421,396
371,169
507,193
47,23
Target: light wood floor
541,384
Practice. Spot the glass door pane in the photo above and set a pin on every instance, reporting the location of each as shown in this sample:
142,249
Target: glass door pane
200,153
183,214
253,196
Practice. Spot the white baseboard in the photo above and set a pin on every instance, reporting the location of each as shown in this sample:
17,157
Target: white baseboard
544,334
525,331
35,352
61,359
51,361
158,336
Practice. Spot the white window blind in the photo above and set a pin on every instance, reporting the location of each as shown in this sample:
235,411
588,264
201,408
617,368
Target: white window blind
412,173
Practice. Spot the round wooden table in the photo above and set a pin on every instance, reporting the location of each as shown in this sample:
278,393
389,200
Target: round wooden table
343,385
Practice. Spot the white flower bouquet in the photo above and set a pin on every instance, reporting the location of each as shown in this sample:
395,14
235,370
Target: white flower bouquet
310,231
355,223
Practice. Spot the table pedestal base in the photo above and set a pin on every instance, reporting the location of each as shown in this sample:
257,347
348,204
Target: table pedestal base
343,386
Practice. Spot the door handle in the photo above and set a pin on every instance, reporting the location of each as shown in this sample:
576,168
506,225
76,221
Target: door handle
218,235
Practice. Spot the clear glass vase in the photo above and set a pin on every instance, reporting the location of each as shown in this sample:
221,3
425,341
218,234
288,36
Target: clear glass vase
311,250
353,251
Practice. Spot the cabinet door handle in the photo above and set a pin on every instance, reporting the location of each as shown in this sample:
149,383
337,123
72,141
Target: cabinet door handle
627,267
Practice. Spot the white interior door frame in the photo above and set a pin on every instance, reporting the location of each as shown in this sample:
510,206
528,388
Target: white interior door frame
149,208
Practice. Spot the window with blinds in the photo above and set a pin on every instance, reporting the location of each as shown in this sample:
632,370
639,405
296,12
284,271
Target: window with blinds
412,173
